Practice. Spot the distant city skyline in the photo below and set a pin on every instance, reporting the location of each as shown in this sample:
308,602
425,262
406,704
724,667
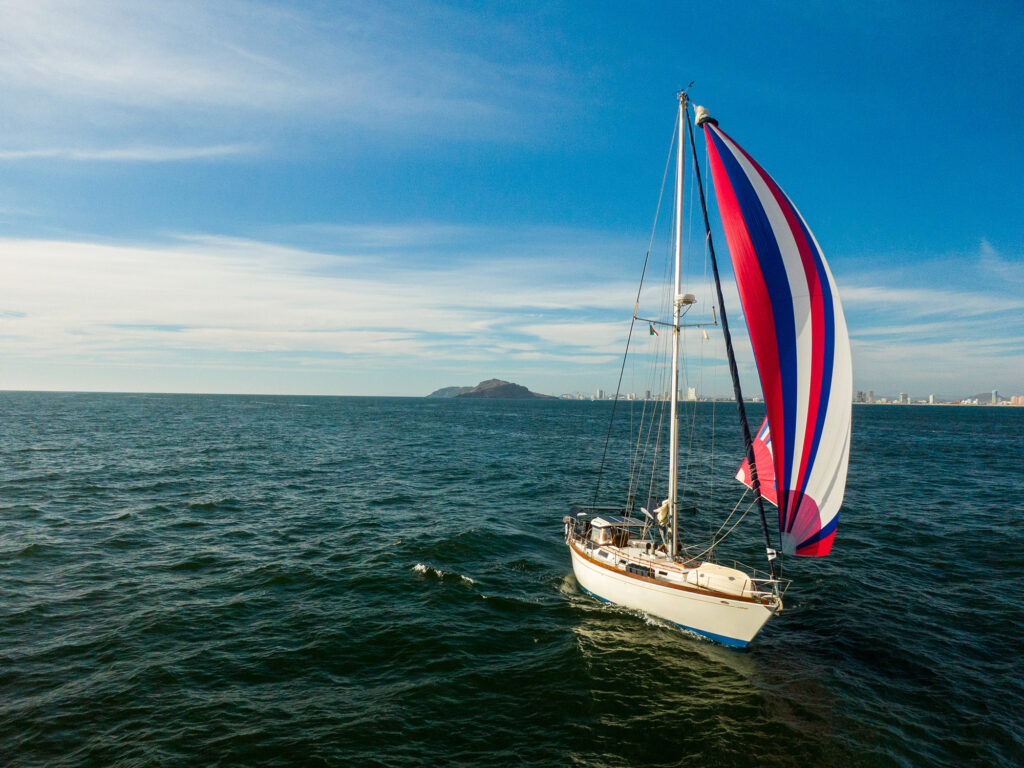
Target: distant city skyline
388,199
860,397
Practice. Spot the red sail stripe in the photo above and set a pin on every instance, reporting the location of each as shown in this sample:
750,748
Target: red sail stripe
754,296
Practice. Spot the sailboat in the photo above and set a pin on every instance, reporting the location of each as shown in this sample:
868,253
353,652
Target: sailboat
631,554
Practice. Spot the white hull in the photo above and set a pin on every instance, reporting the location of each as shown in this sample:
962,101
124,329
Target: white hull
727,620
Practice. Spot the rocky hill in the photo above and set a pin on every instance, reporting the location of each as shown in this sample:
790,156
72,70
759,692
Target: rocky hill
492,388
449,391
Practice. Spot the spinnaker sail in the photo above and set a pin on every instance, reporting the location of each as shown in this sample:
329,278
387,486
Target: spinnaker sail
800,341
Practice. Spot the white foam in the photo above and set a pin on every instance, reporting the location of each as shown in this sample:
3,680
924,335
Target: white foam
439,574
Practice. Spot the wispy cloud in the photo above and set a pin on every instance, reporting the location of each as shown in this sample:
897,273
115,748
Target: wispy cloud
131,154
74,72
923,302
943,326
1011,271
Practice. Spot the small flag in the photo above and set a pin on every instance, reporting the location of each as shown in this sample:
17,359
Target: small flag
650,327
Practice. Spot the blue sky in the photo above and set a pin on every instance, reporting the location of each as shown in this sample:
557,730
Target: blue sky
388,198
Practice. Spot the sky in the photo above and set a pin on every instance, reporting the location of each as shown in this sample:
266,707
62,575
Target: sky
388,198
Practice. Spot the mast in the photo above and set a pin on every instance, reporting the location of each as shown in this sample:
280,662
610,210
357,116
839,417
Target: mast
673,471
748,442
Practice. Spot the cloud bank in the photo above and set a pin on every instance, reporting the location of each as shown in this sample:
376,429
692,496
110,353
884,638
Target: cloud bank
513,302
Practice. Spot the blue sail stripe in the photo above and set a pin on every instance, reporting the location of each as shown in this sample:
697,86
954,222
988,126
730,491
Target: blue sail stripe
773,269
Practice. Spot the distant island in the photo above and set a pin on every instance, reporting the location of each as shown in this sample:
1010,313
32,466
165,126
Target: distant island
492,388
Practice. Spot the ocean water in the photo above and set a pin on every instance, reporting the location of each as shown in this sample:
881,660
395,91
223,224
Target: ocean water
277,581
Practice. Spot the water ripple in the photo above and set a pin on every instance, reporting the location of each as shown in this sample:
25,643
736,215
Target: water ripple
324,581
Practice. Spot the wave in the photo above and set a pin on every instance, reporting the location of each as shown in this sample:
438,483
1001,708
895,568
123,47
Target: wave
437,573
35,549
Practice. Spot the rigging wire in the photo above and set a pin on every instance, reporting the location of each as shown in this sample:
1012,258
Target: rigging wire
636,307
660,413
659,369
715,543
714,403
636,469
734,373
692,427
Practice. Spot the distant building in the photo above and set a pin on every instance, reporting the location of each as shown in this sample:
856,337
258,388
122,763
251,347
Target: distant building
931,399
647,394
860,397
995,396
691,393
904,398
599,395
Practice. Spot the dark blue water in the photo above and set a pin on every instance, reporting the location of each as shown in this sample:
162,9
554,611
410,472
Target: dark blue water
199,580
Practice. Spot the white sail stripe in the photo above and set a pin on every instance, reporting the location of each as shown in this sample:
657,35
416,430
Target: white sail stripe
797,280
833,451
827,482
833,493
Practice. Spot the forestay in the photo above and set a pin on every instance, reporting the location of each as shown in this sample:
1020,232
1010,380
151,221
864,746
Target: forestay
800,342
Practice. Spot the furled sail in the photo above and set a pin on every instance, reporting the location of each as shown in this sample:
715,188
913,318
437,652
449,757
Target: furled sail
765,468
800,343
